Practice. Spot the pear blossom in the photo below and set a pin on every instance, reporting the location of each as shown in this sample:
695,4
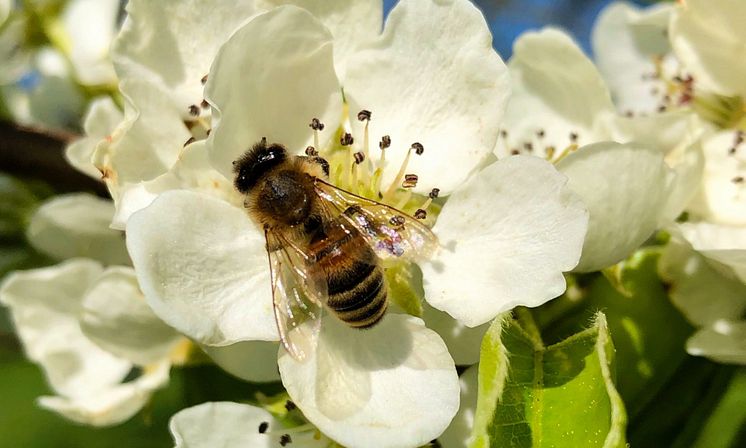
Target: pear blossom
99,122
58,313
561,110
271,78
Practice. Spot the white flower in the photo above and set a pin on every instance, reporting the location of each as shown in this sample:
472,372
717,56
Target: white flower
561,110
226,424
100,120
64,314
202,263
711,297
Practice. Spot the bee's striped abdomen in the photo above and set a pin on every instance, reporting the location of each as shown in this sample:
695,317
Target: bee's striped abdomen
356,286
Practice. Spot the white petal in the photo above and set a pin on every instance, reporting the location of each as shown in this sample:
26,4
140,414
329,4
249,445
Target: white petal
113,405
459,432
627,42
254,98
723,342
351,23
90,26
223,424
45,304
702,293
101,119
708,36
724,244
720,199
433,78
116,317
463,342
254,361
5,7
191,171
625,190
507,236
394,385
557,90
172,43
203,268
77,225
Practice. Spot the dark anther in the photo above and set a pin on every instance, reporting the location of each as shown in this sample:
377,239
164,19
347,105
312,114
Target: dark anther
385,142
264,140
203,80
311,151
410,180
504,133
514,152
418,148
359,157
194,110
397,220
737,180
190,141
346,139
420,214
573,137
434,193
363,115
263,426
662,108
208,131
739,138
629,114
732,150
435,444
540,133
204,104
285,439
289,405
316,125
528,146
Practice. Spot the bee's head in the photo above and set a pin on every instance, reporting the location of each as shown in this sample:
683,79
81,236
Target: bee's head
256,162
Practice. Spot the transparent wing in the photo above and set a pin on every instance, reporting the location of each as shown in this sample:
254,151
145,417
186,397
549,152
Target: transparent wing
298,294
390,232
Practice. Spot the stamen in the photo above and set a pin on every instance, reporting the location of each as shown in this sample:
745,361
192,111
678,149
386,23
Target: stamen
285,439
203,80
263,426
410,181
434,193
364,115
359,157
190,141
397,220
317,126
311,151
204,104
420,214
289,405
346,139
194,110
549,151
574,137
419,149
540,133
737,180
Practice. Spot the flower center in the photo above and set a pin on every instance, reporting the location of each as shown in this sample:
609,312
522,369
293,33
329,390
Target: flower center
351,168
538,145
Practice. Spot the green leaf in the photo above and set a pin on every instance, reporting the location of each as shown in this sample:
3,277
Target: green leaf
635,302
558,396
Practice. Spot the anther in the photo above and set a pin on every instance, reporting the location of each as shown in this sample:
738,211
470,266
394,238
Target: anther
316,125
504,133
418,148
732,150
285,439
385,142
359,157
420,214
194,110
397,220
528,146
573,137
289,405
203,80
737,180
549,151
190,141
410,181
311,151
363,115
540,133
346,139
514,152
204,104
739,138
434,193
662,108
263,426
208,131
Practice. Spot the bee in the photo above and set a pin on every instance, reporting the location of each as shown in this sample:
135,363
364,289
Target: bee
325,245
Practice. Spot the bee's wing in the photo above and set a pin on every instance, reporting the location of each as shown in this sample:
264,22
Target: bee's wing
390,232
299,291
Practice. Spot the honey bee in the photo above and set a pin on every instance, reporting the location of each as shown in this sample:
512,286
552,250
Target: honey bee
325,245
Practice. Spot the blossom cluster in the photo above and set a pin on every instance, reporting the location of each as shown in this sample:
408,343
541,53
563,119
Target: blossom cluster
529,173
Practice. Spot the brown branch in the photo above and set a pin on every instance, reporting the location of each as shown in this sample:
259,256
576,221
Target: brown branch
39,153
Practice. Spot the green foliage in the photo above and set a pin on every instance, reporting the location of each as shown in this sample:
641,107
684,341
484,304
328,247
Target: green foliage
562,395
